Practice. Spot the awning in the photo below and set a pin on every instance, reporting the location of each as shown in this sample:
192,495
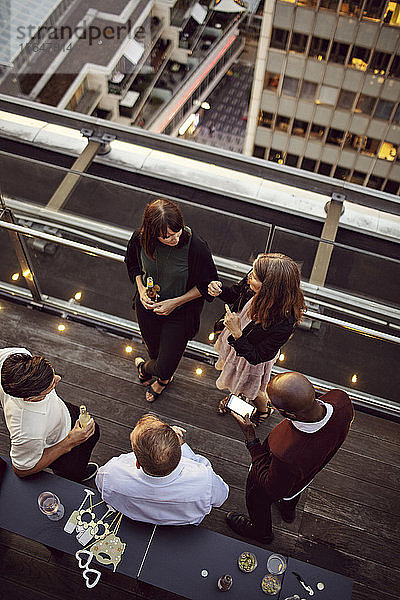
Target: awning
129,99
134,51
230,6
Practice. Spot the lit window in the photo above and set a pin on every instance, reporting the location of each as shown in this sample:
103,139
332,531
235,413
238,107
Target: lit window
387,151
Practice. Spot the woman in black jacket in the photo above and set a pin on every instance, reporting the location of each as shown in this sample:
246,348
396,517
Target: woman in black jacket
181,265
271,304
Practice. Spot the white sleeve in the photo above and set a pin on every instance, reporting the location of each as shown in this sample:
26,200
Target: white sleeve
187,452
99,479
220,489
26,455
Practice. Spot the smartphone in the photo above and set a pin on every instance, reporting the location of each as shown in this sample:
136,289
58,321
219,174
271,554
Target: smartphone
239,406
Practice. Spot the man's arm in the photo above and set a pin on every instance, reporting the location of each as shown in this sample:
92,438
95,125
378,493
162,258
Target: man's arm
76,436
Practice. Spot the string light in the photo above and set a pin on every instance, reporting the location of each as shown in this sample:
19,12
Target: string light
128,349
15,276
354,379
78,295
199,371
211,336
281,357
61,327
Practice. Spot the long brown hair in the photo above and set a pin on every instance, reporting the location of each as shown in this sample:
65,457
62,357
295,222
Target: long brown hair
157,217
280,295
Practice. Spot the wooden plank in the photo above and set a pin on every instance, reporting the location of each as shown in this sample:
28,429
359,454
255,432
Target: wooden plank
363,592
376,472
379,450
362,492
366,544
377,578
377,427
346,511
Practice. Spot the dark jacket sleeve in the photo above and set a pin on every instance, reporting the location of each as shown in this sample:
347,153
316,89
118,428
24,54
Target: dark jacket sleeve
258,345
270,473
237,294
201,267
132,257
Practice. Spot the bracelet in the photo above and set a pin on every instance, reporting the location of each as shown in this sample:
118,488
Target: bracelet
251,443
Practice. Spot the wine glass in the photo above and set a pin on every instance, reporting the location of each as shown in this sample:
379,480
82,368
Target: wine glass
51,506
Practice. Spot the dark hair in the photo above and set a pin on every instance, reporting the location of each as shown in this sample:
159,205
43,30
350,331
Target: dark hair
156,446
157,217
26,376
280,294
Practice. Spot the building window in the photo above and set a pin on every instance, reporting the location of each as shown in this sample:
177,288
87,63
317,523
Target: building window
276,156
352,8
346,99
317,131
339,52
290,86
318,47
308,90
375,182
351,140
299,42
396,116
299,127
391,187
388,151
335,136
325,168
379,62
265,119
365,104
271,80
384,109
358,177
374,9
259,151
279,38
369,146
392,14
394,69
291,159
359,57
327,95
282,123
308,164
342,173
329,4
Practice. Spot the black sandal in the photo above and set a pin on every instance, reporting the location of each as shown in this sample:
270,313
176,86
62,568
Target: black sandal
222,410
260,416
144,379
156,395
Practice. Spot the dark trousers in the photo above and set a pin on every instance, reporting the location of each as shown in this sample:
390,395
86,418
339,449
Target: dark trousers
72,465
165,338
259,507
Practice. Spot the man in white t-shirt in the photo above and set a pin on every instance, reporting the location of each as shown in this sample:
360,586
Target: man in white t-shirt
162,481
39,422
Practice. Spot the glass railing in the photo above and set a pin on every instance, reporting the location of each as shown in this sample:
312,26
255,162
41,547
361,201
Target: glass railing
332,352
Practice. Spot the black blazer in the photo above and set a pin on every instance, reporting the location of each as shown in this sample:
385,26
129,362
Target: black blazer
256,344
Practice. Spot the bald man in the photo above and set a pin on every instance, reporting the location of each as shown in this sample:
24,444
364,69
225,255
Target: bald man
296,449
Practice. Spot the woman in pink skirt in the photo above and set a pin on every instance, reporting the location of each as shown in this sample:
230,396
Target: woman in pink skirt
269,304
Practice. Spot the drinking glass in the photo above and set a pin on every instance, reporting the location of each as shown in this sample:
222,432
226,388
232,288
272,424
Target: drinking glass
51,506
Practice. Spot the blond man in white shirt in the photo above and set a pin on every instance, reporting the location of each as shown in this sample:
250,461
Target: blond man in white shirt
39,422
162,481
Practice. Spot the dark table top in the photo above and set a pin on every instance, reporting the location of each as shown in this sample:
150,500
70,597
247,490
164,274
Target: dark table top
22,516
336,587
177,557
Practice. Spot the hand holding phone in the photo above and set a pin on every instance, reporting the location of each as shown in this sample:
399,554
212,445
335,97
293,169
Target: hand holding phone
239,406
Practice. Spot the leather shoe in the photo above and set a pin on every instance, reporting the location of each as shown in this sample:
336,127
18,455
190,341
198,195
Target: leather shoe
287,515
244,527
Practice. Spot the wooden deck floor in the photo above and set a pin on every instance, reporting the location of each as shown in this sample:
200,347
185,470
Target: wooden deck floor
347,520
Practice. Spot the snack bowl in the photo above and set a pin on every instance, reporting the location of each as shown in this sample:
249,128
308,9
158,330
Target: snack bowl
247,562
270,584
276,564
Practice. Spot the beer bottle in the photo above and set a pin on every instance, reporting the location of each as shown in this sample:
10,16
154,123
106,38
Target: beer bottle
84,416
225,583
151,290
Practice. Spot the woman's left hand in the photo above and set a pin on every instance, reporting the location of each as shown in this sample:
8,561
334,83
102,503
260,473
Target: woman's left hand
165,307
232,322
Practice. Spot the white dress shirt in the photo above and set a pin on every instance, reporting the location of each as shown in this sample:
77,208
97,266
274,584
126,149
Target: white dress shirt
33,426
184,497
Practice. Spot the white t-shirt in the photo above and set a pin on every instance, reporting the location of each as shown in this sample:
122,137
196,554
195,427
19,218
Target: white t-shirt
184,497
33,426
